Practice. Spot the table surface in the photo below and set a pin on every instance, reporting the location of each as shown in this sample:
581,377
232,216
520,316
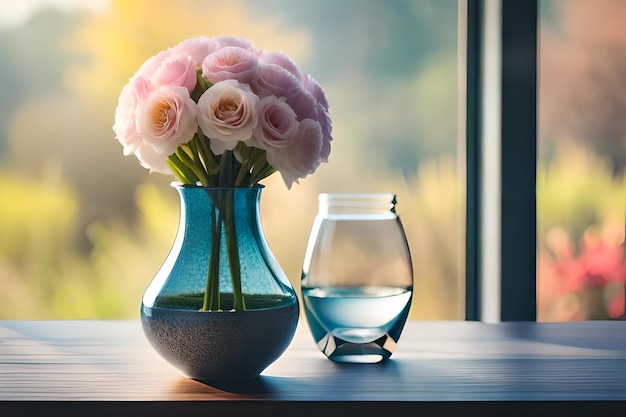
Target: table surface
436,364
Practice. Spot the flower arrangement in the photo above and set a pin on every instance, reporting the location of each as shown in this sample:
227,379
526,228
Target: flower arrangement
219,113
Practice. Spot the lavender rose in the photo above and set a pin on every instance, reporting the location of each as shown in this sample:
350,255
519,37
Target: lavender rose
282,60
302,157
280,82
276,80
323,117
277,123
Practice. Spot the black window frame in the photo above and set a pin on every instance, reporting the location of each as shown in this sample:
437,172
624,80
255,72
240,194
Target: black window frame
517,23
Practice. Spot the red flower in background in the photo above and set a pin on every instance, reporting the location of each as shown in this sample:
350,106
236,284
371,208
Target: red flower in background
583,286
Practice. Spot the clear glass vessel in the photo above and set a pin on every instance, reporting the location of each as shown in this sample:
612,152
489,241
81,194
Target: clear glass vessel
357,277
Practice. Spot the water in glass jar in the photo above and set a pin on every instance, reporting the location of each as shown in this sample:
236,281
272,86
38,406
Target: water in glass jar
356,324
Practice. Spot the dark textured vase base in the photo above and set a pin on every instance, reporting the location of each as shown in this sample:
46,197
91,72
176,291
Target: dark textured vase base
220,346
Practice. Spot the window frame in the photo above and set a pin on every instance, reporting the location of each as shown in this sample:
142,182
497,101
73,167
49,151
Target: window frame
501,159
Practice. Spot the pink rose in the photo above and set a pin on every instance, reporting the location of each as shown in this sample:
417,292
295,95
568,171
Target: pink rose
230,63
196,48
179,70
277,125
125,126
227,114
176,65
300,158
167,118
149,67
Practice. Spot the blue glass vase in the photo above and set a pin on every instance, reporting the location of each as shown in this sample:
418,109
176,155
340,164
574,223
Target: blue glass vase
220,307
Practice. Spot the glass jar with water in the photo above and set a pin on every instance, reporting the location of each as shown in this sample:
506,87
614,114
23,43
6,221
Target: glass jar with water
357,277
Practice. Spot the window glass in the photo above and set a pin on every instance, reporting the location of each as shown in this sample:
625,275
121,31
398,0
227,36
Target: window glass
581,192
83,229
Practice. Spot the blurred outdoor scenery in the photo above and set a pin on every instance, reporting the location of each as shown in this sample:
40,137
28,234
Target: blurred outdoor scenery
581,187
83,229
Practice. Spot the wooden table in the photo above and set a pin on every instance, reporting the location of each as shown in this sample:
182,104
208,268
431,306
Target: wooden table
91,368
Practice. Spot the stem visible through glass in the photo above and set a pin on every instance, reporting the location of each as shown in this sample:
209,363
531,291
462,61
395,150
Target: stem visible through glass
233,251
212,291
223,218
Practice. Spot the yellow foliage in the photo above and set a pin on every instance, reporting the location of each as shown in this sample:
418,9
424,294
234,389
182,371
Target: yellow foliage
107,279
117,42
37,234
125,259
35,215
575,190
432,211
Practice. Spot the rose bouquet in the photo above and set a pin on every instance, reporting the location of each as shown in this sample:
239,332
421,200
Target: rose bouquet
219,113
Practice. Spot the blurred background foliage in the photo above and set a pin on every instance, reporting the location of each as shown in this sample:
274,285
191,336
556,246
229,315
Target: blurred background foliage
581,192
83,229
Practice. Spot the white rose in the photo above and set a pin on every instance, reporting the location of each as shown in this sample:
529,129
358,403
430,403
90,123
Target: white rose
227,114
150,159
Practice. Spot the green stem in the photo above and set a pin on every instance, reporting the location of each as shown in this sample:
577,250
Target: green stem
182,172
223,217
227,169
260,167
212,299
265,172
191,148
233,251
201,85
243,175
204,149
188,161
